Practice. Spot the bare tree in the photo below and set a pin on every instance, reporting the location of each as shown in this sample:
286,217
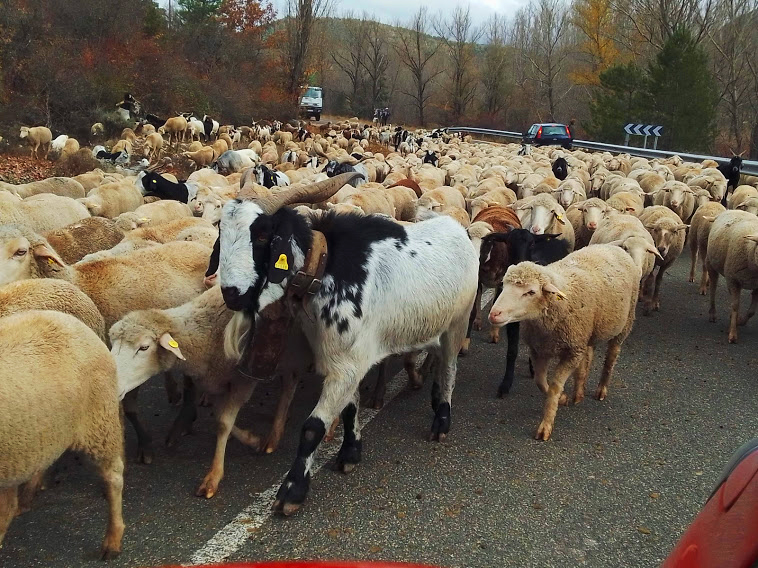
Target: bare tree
734,47
416,48
495,67
547,51
459,36
350,57
655,21
376,61
298,27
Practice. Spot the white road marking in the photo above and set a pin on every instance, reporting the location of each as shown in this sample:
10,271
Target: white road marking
230,539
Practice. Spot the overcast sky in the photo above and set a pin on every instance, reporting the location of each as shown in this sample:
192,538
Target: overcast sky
389,11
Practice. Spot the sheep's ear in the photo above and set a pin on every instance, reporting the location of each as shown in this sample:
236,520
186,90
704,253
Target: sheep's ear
45,255
753,238
170,344
682,227
550,288
650,248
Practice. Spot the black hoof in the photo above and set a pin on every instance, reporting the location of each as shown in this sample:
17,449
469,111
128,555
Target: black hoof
145,455
292,494
441,423
503,389
349,457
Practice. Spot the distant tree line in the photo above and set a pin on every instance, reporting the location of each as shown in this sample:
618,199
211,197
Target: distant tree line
689,65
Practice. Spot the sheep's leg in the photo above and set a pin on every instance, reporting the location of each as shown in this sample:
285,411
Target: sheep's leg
540,365
580,378
289,384
494,330
693,256
713,280
562,372
349,455
474,320
444,380
28,490
429,366
415,380
751,310
144,440
332,430
8,506
611,355
227,410
512,333
734,293
172,389
656,301
377,398
187,414
337,393
647,301
112,470
704,279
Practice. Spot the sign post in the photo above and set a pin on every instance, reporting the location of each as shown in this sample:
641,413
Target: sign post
643,130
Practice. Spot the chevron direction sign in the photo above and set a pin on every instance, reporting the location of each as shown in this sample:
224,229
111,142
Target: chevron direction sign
643,129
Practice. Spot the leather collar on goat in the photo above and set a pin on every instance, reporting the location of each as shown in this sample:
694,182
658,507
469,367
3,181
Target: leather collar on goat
307,281
268,340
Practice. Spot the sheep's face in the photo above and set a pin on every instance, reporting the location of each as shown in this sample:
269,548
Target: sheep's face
24,132
140,353
542,218
211,208
16,257
591,217
749,205
665,236
520,300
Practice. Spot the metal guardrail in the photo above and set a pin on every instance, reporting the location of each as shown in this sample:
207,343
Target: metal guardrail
749,167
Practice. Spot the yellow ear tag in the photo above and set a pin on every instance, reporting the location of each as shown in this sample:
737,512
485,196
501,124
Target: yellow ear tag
282,262
50,261
173,344
144,219
560,217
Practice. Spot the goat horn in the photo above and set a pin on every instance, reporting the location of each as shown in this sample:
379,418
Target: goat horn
314,193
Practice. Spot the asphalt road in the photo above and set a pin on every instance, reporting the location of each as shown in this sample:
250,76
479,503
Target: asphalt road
615,486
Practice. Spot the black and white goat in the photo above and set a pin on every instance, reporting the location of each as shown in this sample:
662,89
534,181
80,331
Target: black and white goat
269,178
151,183
430,157
387,289
100,153
210,128
334,168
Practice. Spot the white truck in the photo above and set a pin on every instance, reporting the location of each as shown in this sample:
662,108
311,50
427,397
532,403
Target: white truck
312,103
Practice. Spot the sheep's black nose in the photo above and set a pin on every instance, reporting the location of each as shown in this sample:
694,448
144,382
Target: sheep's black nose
232,297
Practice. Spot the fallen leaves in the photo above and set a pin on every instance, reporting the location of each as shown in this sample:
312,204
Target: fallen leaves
22,169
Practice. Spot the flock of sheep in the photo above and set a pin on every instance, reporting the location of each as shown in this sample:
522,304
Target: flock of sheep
110,278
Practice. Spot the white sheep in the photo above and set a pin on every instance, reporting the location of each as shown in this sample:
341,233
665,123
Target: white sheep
565,309
112,199
700,229
58,392
669,234
39,139
42,212
732,252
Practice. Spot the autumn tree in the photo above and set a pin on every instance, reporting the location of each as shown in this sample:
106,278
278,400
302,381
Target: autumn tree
596,22
459,35
416,50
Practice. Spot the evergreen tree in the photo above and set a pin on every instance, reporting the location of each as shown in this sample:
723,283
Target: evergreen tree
622,98
197,12
684,94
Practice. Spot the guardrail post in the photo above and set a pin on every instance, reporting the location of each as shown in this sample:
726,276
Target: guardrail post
626,139
655,143
644,142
